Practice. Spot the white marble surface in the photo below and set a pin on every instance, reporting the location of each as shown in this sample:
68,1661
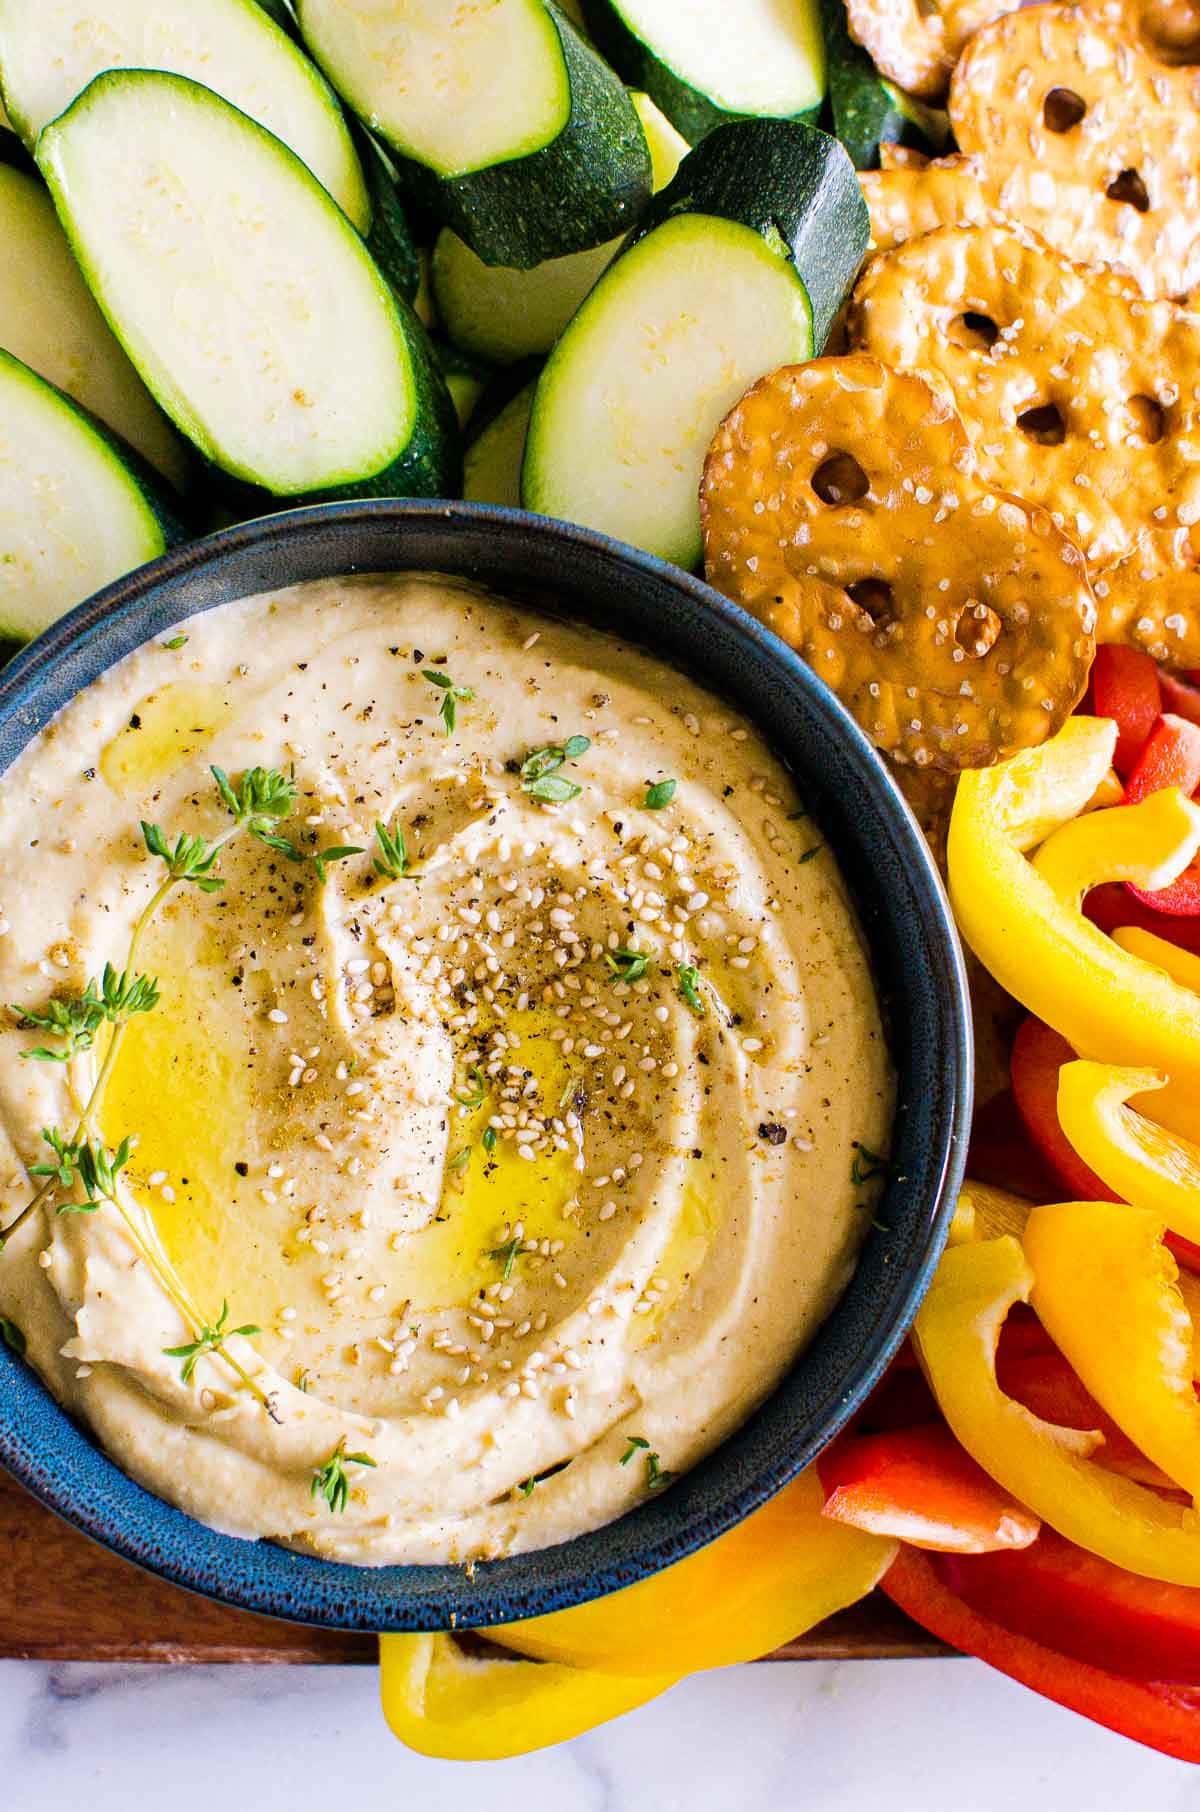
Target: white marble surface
909,1736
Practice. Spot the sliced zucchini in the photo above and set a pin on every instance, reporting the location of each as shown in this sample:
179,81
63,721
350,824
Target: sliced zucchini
740,266
48,319
704,67
466,378
513,130
390,240
867,110
50,52
75,509
243,295
501,314
492,462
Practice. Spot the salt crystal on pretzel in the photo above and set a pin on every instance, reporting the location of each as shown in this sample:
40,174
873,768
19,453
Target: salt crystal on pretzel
1078,394
901,157
916,43
1087,140
841,504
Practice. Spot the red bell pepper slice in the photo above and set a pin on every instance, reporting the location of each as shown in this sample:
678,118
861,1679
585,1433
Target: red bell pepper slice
1180,900
1114,904
1001,1153
1180,698
1125,687
1078,1604
1037,1056
1164,1717
919,1485
1170,757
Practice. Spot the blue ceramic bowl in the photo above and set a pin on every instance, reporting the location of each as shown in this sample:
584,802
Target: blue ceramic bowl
918,968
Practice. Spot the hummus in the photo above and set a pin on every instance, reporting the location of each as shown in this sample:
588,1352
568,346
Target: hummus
531,1168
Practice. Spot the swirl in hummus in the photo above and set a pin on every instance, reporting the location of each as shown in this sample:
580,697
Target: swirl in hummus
534,1167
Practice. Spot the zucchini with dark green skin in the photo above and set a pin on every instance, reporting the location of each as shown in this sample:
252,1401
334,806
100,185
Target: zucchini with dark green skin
390,239
550,160
77,507
254,314
740,266
866,110
706,63
49,54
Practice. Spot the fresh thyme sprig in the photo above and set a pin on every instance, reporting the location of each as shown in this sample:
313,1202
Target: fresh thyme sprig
627,965
452,696
657,1475
479,1089
539,770
206,1341
392,860
507,1255
689,988
76,1018
257,802
329,1479
659,793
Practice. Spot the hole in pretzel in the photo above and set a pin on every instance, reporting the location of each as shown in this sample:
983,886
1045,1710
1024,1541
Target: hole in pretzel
976,631
928,9
1062,109
840,479
974,333
1148,422
1044,424
1129,188
873,597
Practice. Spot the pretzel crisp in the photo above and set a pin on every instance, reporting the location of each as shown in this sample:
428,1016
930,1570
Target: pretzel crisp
1087,140
841,504
907,199
1077,394
916,43
1168,29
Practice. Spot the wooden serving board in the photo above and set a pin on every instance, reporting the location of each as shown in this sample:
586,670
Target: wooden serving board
68,1599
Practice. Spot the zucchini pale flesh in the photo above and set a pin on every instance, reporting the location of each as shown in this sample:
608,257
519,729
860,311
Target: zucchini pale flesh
739,267
51,50
75,509
706,62
244,297
492,462
49,320
512,129
502,314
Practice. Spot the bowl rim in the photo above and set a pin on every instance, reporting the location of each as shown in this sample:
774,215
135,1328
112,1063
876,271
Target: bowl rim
79,1480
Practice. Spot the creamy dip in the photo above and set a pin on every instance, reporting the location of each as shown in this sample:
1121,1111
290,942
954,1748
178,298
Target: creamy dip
533,1167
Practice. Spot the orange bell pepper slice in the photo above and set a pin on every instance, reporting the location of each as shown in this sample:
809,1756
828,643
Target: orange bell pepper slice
919,1485
1042,1466
775,1575
1106,1290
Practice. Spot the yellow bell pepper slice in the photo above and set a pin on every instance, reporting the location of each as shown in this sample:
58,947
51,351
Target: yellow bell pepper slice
1043,1467
993,1211
1106,1291
1139,1160
780,1572
458,1707
1023,921
1182,966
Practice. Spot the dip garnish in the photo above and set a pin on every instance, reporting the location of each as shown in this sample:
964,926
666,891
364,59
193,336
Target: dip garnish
660,793
866,1164
452,695
689,987
257,803
329,1479
627,965
206,1341
392,861
539,770
508,1254
657,1476
322,857
635,1441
